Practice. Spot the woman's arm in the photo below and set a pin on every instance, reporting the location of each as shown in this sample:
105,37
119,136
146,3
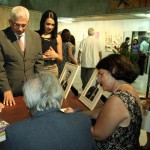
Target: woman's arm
51,54
59,48
113,114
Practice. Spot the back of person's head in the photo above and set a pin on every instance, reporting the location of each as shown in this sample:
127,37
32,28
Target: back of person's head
143,38
120,67
49,14
42,92
90,31
72,40
65,35
127,39
19,12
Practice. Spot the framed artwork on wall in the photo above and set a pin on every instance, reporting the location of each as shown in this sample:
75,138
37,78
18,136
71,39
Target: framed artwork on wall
96,35
67,77
92,92
113,41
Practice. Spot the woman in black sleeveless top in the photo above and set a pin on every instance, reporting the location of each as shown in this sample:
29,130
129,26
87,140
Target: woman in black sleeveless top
51,41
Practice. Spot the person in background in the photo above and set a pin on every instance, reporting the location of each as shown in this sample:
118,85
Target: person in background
68,49
20,55
135,47
119,122
64,82
73,42
48,128
51,41
125,45
144,47
89,55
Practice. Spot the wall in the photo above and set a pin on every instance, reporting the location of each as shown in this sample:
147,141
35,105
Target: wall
33,22
79,29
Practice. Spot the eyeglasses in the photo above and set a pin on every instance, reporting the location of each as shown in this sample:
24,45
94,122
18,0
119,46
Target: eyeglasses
16,25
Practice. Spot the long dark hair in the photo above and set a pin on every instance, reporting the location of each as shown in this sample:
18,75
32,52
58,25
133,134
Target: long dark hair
48,14
72,40
65,35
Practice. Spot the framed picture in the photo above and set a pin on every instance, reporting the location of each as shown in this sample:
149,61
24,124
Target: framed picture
92,92
113,41
67,77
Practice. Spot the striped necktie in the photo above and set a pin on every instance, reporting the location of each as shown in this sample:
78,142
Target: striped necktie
21,43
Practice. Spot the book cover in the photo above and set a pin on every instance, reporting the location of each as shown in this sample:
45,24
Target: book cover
3,125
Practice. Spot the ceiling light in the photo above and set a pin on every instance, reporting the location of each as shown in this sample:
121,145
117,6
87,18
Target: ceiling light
147,15
66,20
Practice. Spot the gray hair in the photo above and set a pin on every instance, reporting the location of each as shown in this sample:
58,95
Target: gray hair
42,92
90,31
19,12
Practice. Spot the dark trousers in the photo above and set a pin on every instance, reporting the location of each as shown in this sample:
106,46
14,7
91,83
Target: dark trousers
86,74
141,63
74,90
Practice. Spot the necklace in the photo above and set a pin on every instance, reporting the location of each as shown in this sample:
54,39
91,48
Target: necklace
120,86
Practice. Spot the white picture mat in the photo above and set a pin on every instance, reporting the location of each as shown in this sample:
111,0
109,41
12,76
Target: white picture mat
74,69
91,104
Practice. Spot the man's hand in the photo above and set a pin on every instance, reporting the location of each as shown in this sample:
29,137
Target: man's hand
8,98
1,106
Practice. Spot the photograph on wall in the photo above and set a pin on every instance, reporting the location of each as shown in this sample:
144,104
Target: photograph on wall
96,35
67,77
113,41
128,4
92,92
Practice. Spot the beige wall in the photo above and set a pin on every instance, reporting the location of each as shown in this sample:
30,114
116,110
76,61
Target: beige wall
35,17
79,29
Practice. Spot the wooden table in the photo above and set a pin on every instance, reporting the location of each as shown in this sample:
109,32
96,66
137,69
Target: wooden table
16,112
19,112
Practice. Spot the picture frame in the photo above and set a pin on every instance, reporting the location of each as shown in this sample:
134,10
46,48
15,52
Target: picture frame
67,77
92,92
113,41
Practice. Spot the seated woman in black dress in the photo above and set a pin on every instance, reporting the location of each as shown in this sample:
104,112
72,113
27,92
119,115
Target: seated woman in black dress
119,122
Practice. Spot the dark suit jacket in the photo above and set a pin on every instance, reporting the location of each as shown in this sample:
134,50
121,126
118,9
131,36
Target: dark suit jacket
15,67
51,130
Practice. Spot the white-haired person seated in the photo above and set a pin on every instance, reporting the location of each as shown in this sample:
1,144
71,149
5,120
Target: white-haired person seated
48,128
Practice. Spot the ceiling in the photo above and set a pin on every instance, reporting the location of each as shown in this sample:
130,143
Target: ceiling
111,17
81,10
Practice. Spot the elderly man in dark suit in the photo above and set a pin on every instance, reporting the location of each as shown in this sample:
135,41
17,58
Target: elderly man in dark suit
20,55
48,128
